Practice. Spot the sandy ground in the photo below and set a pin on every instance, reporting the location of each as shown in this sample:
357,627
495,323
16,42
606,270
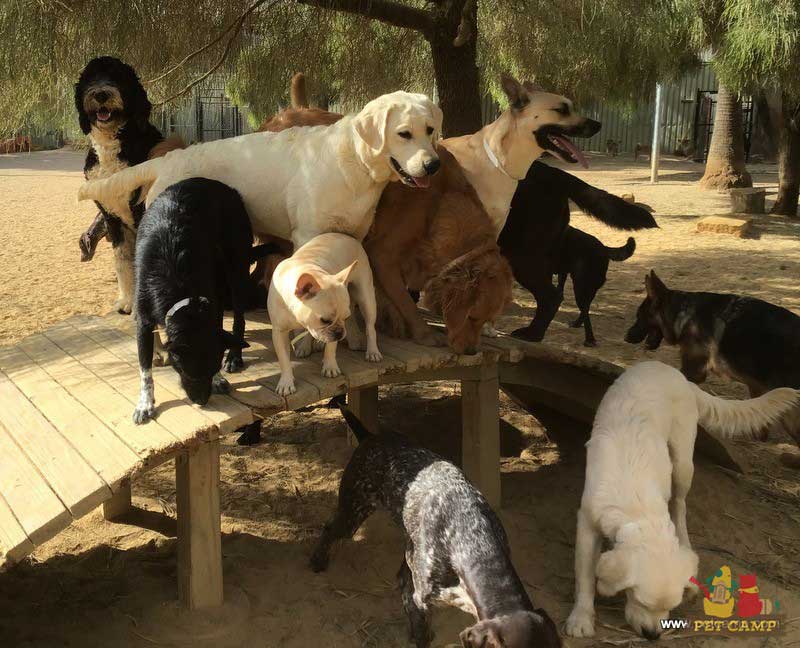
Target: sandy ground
113,585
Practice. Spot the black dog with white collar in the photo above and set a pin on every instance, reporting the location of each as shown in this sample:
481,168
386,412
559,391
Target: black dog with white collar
193,252
457,552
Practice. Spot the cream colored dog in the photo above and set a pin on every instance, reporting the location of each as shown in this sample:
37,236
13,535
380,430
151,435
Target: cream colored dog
638,473
499,155
311,290
304,181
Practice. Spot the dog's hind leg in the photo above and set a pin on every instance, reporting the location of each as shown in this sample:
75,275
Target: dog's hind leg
146,407
124,251
584,296
238,283
682,475
365,298
548,301
419,625
580,622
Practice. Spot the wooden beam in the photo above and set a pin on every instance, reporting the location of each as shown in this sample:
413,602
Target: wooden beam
480,422
199,539
120,502
364,404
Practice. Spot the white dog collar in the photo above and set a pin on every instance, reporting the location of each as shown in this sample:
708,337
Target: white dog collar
493,158
176,307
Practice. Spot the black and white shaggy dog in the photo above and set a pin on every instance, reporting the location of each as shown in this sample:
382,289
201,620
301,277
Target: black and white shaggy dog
533,238
457,553
193,251
585,259
113,110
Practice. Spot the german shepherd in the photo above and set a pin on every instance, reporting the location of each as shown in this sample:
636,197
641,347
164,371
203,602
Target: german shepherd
740,338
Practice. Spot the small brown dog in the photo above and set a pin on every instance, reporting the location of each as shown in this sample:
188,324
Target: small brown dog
440,241
612,148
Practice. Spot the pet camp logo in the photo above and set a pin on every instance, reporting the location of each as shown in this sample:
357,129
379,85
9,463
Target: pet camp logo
732,606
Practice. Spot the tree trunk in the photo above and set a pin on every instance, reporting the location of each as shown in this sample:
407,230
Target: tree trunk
725,168
456,70
788,165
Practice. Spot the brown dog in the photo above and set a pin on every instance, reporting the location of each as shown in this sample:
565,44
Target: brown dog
440,241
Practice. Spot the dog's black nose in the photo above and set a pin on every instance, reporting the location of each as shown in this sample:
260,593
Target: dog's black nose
431,166
650,635
101,96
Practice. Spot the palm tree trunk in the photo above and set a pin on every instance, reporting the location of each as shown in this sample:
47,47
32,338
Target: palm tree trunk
725,167
788,165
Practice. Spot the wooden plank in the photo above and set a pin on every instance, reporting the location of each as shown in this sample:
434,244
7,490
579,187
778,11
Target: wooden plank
226,413
35,506
106,403
480,421
511,350
407,361
14,542
186,424
75,482
199,539
428,357
105,452
364,404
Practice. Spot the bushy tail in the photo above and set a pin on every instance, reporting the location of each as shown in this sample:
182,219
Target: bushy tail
622,253
122,183
736,418
356,426
611,210
298,91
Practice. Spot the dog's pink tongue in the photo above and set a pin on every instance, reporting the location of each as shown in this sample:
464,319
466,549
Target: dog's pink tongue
423,183
574,150
103,114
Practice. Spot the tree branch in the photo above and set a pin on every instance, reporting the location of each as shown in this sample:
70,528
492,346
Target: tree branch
465,30
210,44
237,27
391,13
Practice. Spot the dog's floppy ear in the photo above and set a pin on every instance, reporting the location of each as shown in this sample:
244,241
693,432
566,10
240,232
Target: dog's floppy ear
344,275
230,341
372,126
140,106
656,289
83,118
307,286
614,571
517,94
481,635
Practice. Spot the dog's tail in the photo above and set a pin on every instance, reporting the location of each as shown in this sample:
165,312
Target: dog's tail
737,418
356,426
122,183
298,91
611,210
622,253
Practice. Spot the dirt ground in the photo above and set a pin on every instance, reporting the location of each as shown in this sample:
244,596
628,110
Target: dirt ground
113,585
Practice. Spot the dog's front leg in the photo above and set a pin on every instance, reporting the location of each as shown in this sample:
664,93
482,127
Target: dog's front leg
280,342
146,407
365,298
330,368
580,622
419,625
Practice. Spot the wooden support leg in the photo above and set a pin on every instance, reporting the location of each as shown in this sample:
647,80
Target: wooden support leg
120,502
480,422
364,404
199,540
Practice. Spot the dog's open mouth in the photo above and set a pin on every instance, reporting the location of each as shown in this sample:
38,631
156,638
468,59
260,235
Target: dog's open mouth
556,140
421,183
103,114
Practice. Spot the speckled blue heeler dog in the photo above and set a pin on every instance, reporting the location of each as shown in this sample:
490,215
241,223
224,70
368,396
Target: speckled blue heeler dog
457,552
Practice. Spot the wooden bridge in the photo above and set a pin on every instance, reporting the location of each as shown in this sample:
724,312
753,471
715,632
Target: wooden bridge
68,443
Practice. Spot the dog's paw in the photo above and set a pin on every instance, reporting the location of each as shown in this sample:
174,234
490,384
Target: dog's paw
144,413
123,306
527,333
331,370
220,385
489,330
233,363
306,346
373,355
319,561
580,623
285,387
590,343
